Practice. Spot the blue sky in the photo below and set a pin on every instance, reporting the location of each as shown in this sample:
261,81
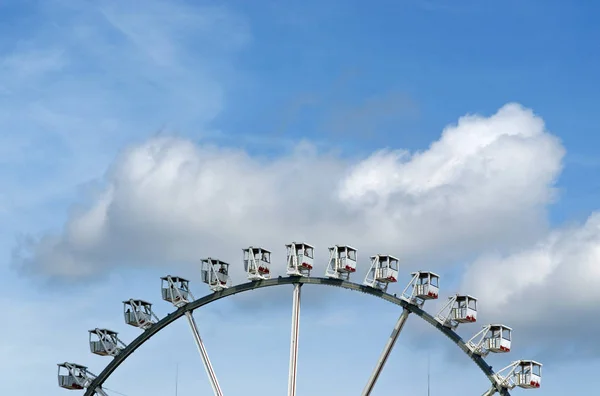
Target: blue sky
134,141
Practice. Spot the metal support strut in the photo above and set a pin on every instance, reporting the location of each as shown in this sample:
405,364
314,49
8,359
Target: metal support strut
207,365
100,392
492,391
294,340
386,352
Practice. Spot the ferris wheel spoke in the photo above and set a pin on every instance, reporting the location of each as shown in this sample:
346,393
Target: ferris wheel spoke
204,355
294,341
386,352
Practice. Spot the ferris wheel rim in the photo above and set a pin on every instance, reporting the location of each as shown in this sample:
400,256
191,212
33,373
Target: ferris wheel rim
289,280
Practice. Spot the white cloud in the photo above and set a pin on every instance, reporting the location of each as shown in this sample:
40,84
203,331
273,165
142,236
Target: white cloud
548,289
100,76
172,200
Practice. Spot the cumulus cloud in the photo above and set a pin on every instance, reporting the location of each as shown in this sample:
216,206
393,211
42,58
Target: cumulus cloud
548,289
484,183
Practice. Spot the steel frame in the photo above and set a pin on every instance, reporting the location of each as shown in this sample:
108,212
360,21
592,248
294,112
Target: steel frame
294,341
291,280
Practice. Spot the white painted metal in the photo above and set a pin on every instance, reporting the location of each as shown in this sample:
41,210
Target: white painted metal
215,273
423,286
294,341
176,290
257,263
214,383
495,338
342,262
105,342
525,374
386,352
383,271
74,376
300,258
138,313
458,309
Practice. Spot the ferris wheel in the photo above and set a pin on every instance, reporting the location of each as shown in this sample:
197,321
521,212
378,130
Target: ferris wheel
383,270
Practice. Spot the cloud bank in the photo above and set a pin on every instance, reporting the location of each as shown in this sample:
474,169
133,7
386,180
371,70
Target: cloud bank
549,289
483,186
485,182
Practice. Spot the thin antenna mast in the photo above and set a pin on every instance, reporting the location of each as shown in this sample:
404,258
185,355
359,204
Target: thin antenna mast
176,377
428,376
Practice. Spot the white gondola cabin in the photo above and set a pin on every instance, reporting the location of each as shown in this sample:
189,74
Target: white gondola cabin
383,271
73,376
257,263
522,373
528,374
215,273
176,290
105,342
138,313
299,259
498,339
465,309
342,262
423,286
495,338
427,285
458,309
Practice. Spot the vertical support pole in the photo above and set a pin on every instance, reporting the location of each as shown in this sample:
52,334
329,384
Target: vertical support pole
207,365
294,340
386,352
